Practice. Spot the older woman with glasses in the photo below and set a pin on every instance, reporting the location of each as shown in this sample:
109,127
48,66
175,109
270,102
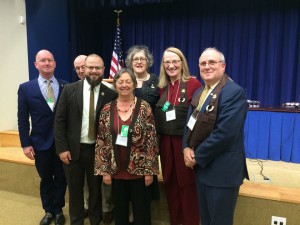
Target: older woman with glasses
140,60
177,87
126,150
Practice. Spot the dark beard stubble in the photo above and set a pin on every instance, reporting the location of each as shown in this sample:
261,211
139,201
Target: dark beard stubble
94,83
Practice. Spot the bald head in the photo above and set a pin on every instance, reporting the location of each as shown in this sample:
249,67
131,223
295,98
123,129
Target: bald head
45,64
212,66
79,66
43,52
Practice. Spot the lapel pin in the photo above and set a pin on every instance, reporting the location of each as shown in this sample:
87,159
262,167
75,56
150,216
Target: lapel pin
181,99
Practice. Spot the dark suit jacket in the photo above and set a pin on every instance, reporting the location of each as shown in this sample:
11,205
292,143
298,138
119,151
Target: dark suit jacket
68,119
221,157
31,103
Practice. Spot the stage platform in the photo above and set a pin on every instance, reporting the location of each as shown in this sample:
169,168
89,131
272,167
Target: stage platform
280,196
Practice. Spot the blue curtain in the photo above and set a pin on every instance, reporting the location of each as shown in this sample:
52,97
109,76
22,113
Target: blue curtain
47,28
272,135
260,39
99,4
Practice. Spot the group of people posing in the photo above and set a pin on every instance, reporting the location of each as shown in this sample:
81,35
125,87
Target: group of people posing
108,137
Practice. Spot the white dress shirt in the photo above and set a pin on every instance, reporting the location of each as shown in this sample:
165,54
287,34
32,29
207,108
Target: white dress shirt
85,112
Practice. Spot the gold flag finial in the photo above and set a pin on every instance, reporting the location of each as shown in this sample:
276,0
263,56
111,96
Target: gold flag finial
118,19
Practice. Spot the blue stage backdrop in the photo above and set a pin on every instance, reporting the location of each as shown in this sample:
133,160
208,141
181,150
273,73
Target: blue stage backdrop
260,39
47,28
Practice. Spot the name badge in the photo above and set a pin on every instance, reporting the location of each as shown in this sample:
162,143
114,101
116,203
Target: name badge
171,115
191,123
124,130
50,103
121,140
166,106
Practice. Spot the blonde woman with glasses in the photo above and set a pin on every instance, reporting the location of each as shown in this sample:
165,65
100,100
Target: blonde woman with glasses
177,87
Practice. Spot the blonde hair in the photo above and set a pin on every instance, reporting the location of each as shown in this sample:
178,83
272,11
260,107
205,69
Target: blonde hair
164,79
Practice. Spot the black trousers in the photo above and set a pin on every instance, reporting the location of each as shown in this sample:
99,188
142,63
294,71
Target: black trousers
53,182
136,192
75,173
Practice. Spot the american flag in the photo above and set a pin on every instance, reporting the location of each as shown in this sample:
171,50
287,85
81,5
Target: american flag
117,61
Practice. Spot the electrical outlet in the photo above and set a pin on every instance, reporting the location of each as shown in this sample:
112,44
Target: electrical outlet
278,220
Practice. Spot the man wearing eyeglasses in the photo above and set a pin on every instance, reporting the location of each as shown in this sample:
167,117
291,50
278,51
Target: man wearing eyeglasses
213,140
107,204
75,129
37,101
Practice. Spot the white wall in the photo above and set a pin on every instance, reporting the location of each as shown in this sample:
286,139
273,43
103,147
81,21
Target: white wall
13,59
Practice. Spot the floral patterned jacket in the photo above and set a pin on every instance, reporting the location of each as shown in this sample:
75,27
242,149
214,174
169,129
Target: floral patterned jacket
143,155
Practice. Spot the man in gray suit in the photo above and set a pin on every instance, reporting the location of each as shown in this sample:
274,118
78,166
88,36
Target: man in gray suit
75,133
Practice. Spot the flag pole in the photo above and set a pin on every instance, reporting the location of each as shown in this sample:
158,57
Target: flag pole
117,61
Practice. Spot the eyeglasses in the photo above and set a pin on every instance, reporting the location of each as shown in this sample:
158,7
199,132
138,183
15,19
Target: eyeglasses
142,59
79,67
94,67
209,63
46,60
174,62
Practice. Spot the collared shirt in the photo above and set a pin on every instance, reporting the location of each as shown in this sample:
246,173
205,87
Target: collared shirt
210,90
43,86
85,112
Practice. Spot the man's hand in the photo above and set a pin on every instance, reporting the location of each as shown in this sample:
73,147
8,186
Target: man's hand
189,157
29,152
65,157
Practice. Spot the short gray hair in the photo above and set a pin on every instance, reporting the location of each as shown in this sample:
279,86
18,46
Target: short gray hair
135,49
222,57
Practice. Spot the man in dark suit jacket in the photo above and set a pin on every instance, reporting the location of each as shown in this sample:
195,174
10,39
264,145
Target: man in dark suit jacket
107,205
38,144
75,146
219,160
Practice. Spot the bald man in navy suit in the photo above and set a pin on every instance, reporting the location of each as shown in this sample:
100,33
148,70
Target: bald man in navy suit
216,152
38,143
